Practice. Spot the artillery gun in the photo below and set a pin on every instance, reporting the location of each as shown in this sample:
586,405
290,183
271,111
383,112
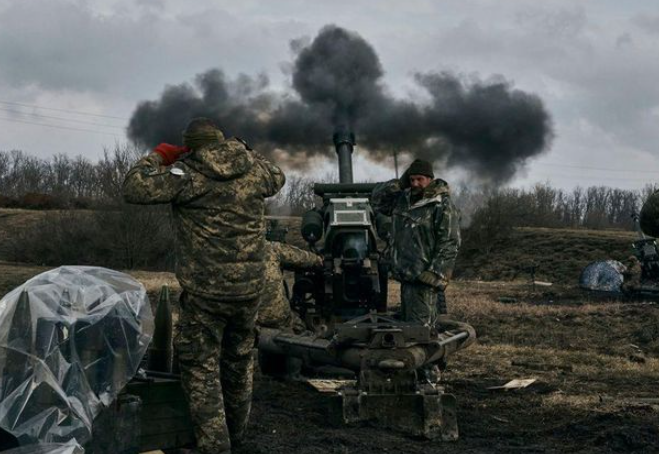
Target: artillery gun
96,357
344,306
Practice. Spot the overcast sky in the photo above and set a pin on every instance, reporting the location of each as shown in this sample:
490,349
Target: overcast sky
72,71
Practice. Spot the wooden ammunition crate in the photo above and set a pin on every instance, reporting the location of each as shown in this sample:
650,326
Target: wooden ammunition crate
164,417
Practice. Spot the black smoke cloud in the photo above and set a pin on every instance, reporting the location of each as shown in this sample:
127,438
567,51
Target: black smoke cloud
340,73
486,127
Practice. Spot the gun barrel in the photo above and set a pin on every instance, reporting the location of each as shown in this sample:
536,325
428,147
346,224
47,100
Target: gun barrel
344,142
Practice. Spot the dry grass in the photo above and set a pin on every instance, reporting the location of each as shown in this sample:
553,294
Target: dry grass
14,274
589,358
18,217
154,281
559,255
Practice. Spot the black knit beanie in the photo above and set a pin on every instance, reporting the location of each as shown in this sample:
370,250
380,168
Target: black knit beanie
419,167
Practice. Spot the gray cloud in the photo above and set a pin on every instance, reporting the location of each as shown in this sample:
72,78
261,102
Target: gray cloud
647,23
60,45
69,45
595,64
578,65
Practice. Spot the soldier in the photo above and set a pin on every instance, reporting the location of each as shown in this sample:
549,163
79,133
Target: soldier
632,275
424,241
275,310
649,218
216,188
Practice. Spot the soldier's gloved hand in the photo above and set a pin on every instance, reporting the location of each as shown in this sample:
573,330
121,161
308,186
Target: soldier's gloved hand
320,262
170,153
432,279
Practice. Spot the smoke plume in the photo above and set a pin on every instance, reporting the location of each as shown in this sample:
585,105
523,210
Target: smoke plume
486,127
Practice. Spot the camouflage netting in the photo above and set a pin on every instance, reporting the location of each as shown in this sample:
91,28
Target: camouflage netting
603,276
70,339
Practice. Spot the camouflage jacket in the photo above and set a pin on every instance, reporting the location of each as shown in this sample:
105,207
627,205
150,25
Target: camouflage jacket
275,311
649,217
217,195
425,235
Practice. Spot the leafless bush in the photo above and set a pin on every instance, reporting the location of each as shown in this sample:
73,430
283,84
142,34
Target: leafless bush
492,223
69,182
113,234
295,198
135,237
123,236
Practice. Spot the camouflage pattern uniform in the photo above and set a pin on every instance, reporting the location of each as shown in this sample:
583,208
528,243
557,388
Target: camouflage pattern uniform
425,238
632,275
275,310
217,196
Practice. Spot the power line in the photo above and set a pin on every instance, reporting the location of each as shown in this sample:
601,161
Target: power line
591,177
595,168
77,112
63,118
59,127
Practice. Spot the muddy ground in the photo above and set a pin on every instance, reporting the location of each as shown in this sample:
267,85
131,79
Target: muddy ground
596,362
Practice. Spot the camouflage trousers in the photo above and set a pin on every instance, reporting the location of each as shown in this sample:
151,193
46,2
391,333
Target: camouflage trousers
418,303
214,343
442,308
422,303
279,317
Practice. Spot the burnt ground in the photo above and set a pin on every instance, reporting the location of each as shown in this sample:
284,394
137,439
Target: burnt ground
596,362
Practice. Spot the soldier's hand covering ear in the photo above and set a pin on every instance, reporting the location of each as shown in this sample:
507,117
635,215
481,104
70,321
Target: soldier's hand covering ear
170,153
432,279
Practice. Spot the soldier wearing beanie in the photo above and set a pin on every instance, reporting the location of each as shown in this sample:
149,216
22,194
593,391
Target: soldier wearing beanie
425,239
217,189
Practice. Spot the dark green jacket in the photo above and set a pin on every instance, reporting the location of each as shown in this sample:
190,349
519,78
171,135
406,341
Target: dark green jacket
425,235
218,196
275,310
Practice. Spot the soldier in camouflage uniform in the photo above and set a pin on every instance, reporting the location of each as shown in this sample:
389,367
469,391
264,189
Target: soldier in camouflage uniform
632,275
424,241
216,188
649,218
275,310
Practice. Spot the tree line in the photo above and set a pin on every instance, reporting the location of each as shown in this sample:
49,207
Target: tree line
594,207
61,181
103,230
